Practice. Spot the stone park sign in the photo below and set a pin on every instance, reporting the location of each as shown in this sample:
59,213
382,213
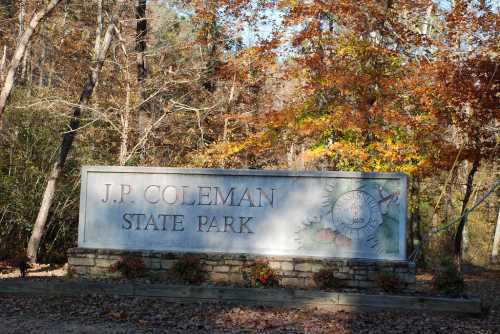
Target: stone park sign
276,213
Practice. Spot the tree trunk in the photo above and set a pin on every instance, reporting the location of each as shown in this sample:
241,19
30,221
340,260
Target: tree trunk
211,41
125,124
68,137
22,14
19,54
20,18
125,114
41,64
3,60
427,21
140,48
417,240
463,220
29,67
496,241
414,215
99,28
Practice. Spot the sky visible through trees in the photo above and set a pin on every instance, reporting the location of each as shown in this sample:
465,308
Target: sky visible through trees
370,85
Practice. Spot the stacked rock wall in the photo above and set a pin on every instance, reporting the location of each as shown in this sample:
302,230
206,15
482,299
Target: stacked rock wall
294,272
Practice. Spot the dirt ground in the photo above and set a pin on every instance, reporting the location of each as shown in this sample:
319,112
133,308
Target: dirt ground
113,314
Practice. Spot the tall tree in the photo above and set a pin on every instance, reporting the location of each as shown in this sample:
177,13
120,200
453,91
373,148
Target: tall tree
68,138
210,39
140,48
19,53
496,241
465,202
457,87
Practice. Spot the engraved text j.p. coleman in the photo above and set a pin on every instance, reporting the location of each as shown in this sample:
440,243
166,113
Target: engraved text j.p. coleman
181,195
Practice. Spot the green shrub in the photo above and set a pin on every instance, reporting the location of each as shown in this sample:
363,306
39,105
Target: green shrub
27,147
448,279
388,282
259,274
325,279
130,267
188,269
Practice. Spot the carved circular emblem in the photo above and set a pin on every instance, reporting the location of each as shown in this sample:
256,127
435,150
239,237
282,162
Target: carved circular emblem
356,214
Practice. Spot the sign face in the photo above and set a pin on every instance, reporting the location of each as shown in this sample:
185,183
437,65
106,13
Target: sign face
324,214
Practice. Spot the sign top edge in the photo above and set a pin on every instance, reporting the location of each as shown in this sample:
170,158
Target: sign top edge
238,172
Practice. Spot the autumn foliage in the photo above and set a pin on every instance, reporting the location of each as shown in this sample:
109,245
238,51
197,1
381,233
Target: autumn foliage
371,85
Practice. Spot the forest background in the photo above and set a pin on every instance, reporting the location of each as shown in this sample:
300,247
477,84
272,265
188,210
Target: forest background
375,85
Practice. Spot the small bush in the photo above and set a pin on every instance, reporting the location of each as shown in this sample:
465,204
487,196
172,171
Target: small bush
448,279
388,282
22,262
188,269
130,267
259,274
325,279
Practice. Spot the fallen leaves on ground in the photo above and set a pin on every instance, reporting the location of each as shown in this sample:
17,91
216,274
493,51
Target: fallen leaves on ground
154,315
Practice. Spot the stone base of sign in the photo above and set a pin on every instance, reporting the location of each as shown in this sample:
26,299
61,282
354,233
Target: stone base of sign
293,272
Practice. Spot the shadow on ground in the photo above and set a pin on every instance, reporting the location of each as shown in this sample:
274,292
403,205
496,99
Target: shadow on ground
113,314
